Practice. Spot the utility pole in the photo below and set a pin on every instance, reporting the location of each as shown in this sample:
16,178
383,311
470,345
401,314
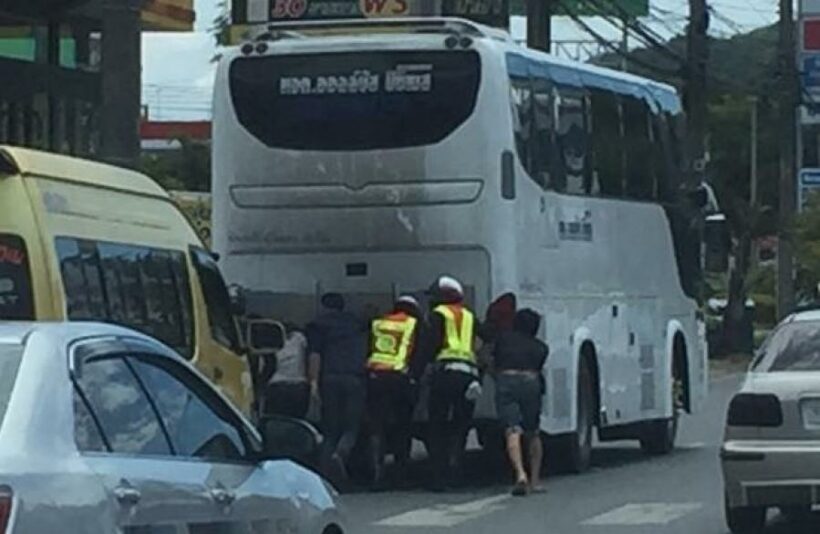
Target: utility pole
625,45
121,81
539,25
695,97
753,169
787,133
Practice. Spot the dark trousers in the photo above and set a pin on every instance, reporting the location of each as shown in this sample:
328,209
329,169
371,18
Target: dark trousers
450,417
288,399
343,400
390,403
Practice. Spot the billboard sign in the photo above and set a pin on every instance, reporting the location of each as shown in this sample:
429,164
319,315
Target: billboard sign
490,12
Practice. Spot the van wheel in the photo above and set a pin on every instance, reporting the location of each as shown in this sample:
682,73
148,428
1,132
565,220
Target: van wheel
658,437
744,519
576,447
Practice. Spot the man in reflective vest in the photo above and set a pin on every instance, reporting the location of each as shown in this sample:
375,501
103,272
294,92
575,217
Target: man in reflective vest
455,384
394,367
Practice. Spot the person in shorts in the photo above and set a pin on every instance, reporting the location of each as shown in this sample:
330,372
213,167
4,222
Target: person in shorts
519,359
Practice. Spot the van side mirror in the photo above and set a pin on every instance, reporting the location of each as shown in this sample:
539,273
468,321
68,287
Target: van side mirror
285,438
264,336
717,243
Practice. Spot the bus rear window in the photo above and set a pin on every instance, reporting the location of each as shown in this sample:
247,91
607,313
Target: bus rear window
355,100
16,302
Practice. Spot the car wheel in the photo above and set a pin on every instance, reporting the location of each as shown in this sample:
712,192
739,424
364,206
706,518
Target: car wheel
659,436
576,447
744,519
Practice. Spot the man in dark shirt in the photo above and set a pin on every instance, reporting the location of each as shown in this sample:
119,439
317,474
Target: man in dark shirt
519,359
337,344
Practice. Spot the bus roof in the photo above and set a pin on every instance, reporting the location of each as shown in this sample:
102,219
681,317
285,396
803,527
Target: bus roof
562,70
27,162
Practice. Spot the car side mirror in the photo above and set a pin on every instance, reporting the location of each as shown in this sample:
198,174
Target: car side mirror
716,242
264,336
285,438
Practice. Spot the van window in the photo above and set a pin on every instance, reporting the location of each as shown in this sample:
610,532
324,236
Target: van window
143,288
16,301
217,300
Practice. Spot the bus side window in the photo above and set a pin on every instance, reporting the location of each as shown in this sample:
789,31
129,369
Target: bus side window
640,179
542,136
608,143
217,299
571,142
522,111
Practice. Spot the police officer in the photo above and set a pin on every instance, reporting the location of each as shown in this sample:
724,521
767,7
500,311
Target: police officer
455,383
394,366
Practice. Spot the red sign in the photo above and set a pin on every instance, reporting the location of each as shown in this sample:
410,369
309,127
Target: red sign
11,255
811,34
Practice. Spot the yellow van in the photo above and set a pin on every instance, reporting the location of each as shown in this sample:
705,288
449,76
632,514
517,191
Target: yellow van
86,241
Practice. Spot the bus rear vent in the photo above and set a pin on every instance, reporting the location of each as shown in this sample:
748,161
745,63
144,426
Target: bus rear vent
356,269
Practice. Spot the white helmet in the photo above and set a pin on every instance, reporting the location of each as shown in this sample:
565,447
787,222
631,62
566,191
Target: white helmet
408,299
448,283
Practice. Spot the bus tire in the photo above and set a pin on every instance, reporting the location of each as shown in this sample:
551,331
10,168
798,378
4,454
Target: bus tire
658,436
576,447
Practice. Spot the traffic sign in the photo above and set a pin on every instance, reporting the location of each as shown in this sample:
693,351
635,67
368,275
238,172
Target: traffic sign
810,71
810,176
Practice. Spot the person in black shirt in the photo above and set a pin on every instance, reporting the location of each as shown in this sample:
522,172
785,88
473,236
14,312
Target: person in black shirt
337,344
519,359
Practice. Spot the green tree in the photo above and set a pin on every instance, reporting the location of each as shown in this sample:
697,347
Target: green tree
185,169
807,246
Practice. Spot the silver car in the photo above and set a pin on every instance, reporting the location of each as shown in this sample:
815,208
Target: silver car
105,430
771,451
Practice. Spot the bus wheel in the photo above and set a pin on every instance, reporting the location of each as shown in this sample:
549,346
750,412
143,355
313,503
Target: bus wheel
659,436
577,446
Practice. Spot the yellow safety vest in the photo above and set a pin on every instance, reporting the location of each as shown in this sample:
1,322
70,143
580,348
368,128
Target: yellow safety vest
458,342
392,342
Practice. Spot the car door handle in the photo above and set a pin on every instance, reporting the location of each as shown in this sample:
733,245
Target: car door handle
222,496
127,495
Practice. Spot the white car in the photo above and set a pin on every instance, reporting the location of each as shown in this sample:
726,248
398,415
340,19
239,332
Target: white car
106,430
771,451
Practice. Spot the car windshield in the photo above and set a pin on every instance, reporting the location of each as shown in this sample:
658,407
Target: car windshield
792,347
10,358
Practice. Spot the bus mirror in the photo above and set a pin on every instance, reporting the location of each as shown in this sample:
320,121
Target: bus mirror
238,301
716,244
507,175
264,336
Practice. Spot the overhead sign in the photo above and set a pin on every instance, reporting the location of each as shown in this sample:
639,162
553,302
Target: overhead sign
585,8
811,34
490,12
810,71
809,184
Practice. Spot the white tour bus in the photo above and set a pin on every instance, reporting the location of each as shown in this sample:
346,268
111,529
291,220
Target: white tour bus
371,157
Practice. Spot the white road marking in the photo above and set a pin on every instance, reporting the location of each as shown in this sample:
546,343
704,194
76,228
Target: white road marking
644,514
446,515
691,446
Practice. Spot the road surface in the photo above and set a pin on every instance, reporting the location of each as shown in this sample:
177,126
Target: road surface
625,492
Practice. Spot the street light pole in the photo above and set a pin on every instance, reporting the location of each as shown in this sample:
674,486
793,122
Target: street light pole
788,134
121,81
